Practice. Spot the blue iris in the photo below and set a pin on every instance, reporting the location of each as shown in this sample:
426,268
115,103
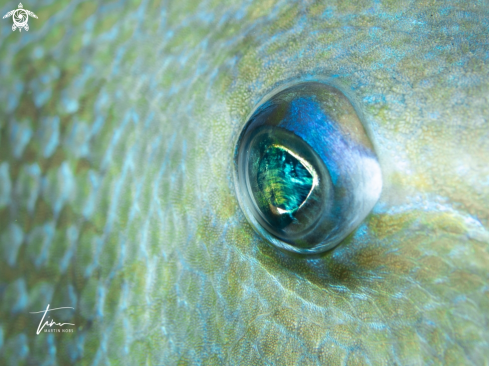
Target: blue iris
306,172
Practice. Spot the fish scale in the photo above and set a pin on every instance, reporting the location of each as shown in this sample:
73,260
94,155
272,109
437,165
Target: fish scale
116,194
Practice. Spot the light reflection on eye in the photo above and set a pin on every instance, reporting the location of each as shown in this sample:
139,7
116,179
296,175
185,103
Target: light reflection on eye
306,173
285,180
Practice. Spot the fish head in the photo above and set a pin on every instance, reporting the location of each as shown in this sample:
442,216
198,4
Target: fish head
118,133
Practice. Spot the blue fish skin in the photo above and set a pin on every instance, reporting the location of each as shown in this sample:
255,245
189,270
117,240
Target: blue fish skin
118,124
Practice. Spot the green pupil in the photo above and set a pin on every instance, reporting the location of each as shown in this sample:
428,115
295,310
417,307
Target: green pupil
284,181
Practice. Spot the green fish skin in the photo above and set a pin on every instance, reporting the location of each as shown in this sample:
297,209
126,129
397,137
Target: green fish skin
118,123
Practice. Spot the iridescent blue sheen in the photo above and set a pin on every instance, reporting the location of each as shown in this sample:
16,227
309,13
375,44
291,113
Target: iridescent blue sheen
283,180
318,129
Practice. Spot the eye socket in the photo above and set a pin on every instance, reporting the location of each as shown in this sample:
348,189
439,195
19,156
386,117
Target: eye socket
306,173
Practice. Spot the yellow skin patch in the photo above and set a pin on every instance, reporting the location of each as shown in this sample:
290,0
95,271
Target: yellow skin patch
117,133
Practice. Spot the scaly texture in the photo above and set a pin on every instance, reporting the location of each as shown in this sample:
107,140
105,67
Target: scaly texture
118,123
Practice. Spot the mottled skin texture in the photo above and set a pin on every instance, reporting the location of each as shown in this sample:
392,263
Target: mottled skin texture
117,129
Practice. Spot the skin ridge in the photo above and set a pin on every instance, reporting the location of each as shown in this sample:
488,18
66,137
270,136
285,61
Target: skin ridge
117,131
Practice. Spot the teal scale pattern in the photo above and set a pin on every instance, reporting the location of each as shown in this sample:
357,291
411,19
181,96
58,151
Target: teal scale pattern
117,127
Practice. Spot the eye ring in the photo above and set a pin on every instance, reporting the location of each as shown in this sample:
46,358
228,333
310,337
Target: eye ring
306,174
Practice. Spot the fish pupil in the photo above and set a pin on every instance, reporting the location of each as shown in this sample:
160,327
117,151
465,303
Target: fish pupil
284,182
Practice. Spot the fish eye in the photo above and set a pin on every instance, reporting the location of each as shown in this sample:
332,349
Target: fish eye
306,173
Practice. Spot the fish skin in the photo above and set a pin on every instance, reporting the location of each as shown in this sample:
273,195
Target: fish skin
118,124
